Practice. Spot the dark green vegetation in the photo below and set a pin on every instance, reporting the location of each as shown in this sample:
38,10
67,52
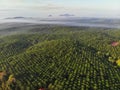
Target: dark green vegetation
62,58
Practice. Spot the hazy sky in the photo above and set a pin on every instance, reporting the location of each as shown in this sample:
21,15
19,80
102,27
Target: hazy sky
42,8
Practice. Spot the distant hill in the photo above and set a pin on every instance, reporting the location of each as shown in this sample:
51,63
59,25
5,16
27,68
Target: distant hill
67,15
19,17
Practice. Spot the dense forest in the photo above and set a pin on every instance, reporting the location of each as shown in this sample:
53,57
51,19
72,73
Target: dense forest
46,57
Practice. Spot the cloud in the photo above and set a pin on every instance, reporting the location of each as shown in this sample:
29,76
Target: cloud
7,9
11,1
30,4
47,7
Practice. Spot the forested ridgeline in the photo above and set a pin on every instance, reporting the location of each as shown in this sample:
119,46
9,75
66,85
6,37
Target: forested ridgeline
61,58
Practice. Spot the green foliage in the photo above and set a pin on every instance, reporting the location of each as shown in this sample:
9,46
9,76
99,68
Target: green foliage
118,62
62,58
